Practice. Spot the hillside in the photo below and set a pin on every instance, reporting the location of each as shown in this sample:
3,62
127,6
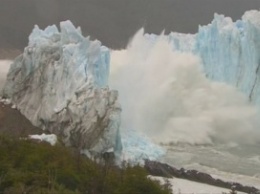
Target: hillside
14,124
34,168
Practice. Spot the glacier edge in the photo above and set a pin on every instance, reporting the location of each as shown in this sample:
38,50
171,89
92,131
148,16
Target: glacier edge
230,51
60,84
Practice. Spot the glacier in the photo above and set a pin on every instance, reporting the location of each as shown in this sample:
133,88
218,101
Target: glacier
60,84
230,51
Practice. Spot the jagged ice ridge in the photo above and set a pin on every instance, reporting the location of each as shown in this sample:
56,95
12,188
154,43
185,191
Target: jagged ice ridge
60,83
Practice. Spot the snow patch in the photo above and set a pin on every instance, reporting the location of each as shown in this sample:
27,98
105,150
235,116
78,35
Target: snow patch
50,138
6,101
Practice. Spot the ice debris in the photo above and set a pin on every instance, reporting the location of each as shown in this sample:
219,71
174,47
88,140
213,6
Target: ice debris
138,147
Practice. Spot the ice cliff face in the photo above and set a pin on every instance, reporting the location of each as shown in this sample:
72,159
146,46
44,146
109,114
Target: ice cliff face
230,51
60,84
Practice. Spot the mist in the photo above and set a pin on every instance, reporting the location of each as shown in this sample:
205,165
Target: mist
166,95
4,68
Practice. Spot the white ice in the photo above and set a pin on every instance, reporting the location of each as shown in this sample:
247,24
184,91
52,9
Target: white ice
60,83
50,138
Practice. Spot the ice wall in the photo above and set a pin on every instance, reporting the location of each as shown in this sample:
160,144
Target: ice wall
60,84
230,51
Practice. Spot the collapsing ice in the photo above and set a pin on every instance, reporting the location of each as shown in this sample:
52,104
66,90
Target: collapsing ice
60,83
177,88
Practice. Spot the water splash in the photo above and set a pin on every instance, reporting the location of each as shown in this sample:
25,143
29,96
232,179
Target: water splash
166,95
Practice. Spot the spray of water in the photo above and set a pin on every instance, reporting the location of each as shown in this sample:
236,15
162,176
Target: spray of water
166,95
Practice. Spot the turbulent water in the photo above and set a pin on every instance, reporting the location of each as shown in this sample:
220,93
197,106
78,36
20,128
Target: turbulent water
239,163
166,95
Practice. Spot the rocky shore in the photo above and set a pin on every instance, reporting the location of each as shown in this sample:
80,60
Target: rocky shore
165,170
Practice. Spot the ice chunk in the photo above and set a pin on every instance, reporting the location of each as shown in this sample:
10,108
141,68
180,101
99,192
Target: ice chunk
138,147
5,101
60,83
51,138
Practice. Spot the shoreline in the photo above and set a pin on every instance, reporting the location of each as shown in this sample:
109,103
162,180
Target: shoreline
164,170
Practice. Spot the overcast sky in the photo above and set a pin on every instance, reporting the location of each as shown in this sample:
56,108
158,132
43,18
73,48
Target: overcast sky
112,21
